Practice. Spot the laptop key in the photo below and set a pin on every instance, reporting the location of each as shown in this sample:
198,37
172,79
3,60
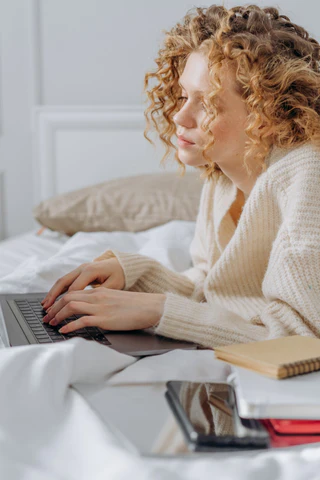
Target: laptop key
98,336
92,330
81,331
101,339
104,341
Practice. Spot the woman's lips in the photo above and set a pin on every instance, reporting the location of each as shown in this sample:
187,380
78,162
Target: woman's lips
184,143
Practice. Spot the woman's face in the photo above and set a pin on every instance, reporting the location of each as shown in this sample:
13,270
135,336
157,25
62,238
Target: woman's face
228,126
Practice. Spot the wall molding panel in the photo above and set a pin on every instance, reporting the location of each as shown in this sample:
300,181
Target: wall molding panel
76,147
2,207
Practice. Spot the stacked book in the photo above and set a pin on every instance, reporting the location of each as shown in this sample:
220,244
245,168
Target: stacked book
278,382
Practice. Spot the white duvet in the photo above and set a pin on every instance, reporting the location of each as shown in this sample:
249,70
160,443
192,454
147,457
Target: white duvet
47,429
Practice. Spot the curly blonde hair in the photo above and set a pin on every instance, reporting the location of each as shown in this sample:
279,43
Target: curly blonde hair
277,74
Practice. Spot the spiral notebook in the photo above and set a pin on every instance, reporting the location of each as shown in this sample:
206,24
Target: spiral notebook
277,358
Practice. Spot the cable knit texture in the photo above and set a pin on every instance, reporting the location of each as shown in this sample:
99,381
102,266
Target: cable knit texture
254,281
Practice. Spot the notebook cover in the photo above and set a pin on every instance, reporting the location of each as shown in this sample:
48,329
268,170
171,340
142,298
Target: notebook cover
258,396
271,356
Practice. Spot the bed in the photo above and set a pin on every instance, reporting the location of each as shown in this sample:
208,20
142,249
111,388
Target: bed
47,429
45,425
39,242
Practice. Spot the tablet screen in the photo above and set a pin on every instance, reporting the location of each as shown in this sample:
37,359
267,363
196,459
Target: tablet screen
207,407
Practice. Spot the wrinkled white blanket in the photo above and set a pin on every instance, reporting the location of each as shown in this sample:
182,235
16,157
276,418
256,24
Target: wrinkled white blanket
47,429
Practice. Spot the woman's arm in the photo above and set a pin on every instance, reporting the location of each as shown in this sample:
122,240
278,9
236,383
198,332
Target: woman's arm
292,291
144,274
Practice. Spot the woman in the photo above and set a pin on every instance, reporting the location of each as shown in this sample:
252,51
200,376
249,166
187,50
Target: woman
242,85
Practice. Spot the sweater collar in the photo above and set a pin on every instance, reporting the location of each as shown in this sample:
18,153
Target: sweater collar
225,194
275,154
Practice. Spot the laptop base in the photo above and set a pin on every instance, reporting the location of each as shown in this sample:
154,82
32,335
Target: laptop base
16,331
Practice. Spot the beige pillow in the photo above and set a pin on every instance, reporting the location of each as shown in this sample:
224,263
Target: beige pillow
130,204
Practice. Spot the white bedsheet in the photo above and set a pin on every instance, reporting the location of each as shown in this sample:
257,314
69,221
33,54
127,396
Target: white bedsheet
48,431
15,250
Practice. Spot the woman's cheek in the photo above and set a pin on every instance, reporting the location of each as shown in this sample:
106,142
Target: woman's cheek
221,130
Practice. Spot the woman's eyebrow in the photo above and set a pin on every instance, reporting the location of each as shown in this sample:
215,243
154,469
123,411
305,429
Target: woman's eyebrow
195,91
202,93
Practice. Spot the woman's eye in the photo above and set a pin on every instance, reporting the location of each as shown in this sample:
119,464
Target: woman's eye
185,98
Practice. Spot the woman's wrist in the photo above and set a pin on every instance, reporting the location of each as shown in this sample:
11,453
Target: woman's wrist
161,300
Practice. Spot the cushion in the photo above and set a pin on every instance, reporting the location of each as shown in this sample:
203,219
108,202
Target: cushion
131,204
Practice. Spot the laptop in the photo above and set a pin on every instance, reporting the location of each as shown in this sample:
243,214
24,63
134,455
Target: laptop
21,324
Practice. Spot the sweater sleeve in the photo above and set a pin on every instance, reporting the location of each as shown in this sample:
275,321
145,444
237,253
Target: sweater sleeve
144,274
292,292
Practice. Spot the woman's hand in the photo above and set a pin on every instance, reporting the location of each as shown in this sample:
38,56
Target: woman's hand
109,273
108,309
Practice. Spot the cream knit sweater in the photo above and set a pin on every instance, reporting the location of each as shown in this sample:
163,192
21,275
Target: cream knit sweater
254,281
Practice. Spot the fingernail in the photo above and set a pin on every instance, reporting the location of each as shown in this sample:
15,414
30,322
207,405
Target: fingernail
53,322
62,330
45,318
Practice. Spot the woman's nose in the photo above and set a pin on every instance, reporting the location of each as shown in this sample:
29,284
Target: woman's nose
184,118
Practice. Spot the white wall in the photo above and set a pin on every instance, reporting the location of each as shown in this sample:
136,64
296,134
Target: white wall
79,56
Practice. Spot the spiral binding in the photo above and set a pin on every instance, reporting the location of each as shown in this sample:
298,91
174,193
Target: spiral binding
304,366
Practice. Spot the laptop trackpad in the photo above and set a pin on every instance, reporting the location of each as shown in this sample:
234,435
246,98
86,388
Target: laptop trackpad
144,342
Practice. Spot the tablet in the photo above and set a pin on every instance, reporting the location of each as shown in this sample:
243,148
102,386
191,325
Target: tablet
208,417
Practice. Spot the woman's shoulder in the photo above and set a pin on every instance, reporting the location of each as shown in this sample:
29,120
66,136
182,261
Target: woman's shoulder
291,173
295,181
291,165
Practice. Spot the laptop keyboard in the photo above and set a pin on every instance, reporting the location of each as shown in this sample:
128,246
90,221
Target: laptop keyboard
33,312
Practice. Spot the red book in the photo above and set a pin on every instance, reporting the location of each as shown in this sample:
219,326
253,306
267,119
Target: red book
278,440
295,426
